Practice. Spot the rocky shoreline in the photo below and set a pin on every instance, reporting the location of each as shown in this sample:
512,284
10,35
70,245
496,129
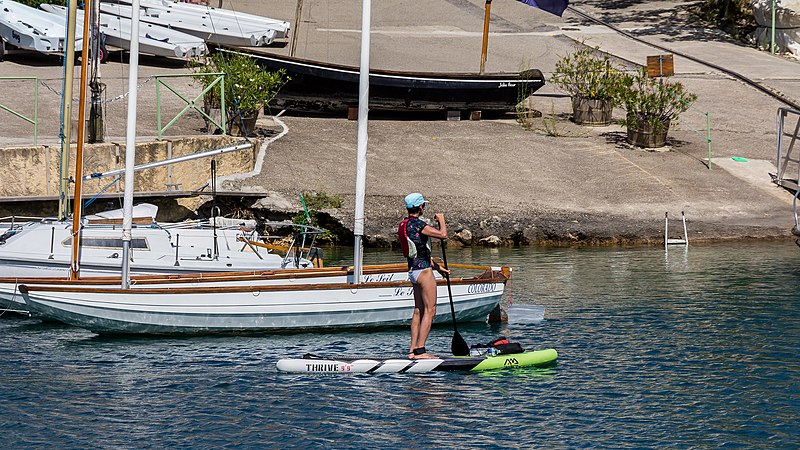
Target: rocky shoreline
496,226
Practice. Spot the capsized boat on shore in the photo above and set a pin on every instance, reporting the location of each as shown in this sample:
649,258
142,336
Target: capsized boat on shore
245,20
32,29
218,30
153,39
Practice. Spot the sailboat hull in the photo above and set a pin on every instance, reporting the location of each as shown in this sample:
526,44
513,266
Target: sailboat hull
11,297
253,308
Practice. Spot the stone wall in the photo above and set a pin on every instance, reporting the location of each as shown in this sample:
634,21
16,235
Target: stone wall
34,171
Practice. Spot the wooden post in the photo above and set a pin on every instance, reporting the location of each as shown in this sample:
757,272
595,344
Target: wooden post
297,14
352,113
485,34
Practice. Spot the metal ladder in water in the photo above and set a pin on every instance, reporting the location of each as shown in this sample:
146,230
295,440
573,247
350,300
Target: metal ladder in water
788,174
667,240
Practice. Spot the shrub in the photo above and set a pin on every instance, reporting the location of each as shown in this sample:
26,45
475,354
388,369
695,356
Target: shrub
251,85
587,73
652,100
735,17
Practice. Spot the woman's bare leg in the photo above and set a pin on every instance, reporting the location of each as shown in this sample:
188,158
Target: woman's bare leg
416,317
427,284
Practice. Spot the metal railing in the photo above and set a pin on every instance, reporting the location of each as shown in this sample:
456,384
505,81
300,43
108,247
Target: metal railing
787,139
192,104
35,119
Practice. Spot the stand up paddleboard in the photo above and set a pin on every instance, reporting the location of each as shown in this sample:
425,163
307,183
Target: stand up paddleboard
314,364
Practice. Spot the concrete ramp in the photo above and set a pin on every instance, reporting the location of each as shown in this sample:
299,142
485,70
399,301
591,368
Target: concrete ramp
756,172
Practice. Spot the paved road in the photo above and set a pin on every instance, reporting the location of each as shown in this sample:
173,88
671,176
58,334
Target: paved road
494,177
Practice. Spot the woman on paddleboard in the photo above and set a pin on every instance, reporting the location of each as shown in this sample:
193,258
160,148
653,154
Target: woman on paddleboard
415,234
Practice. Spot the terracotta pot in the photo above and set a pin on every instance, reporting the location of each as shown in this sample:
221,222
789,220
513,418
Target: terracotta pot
592,112
644,134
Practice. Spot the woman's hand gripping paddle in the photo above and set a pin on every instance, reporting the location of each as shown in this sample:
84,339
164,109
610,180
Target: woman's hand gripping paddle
459,346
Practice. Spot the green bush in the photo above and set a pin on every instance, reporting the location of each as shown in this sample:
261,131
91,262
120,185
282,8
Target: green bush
735,17
321,200
251,85
652,100
314,202
587,73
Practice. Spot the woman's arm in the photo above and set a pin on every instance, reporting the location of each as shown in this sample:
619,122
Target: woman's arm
441,232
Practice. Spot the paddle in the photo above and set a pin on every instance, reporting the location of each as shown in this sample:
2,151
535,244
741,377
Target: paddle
459,346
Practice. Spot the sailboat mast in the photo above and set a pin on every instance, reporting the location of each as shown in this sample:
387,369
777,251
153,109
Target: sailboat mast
66,108
485,34
298,14
130,146
361,158
74,272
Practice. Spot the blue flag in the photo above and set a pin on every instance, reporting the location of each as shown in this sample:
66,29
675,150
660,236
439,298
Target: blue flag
556,7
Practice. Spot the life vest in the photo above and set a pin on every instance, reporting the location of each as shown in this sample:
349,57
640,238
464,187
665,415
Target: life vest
406,244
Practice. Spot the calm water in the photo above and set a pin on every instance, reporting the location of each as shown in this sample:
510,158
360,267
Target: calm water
696,349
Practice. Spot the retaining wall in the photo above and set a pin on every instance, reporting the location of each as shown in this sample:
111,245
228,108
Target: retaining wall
34,171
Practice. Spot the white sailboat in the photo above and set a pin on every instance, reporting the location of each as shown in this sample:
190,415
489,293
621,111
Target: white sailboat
323,298
43,248
153,39
295,300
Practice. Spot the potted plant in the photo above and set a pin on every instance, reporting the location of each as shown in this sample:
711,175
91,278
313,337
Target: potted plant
651,104
248,87
591,81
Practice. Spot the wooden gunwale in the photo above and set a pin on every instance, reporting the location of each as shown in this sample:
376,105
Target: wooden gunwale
212,276
224,276
261,288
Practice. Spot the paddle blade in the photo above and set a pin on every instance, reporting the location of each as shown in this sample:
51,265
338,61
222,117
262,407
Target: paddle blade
459,346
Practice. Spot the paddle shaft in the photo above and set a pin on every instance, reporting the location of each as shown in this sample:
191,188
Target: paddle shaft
449,288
